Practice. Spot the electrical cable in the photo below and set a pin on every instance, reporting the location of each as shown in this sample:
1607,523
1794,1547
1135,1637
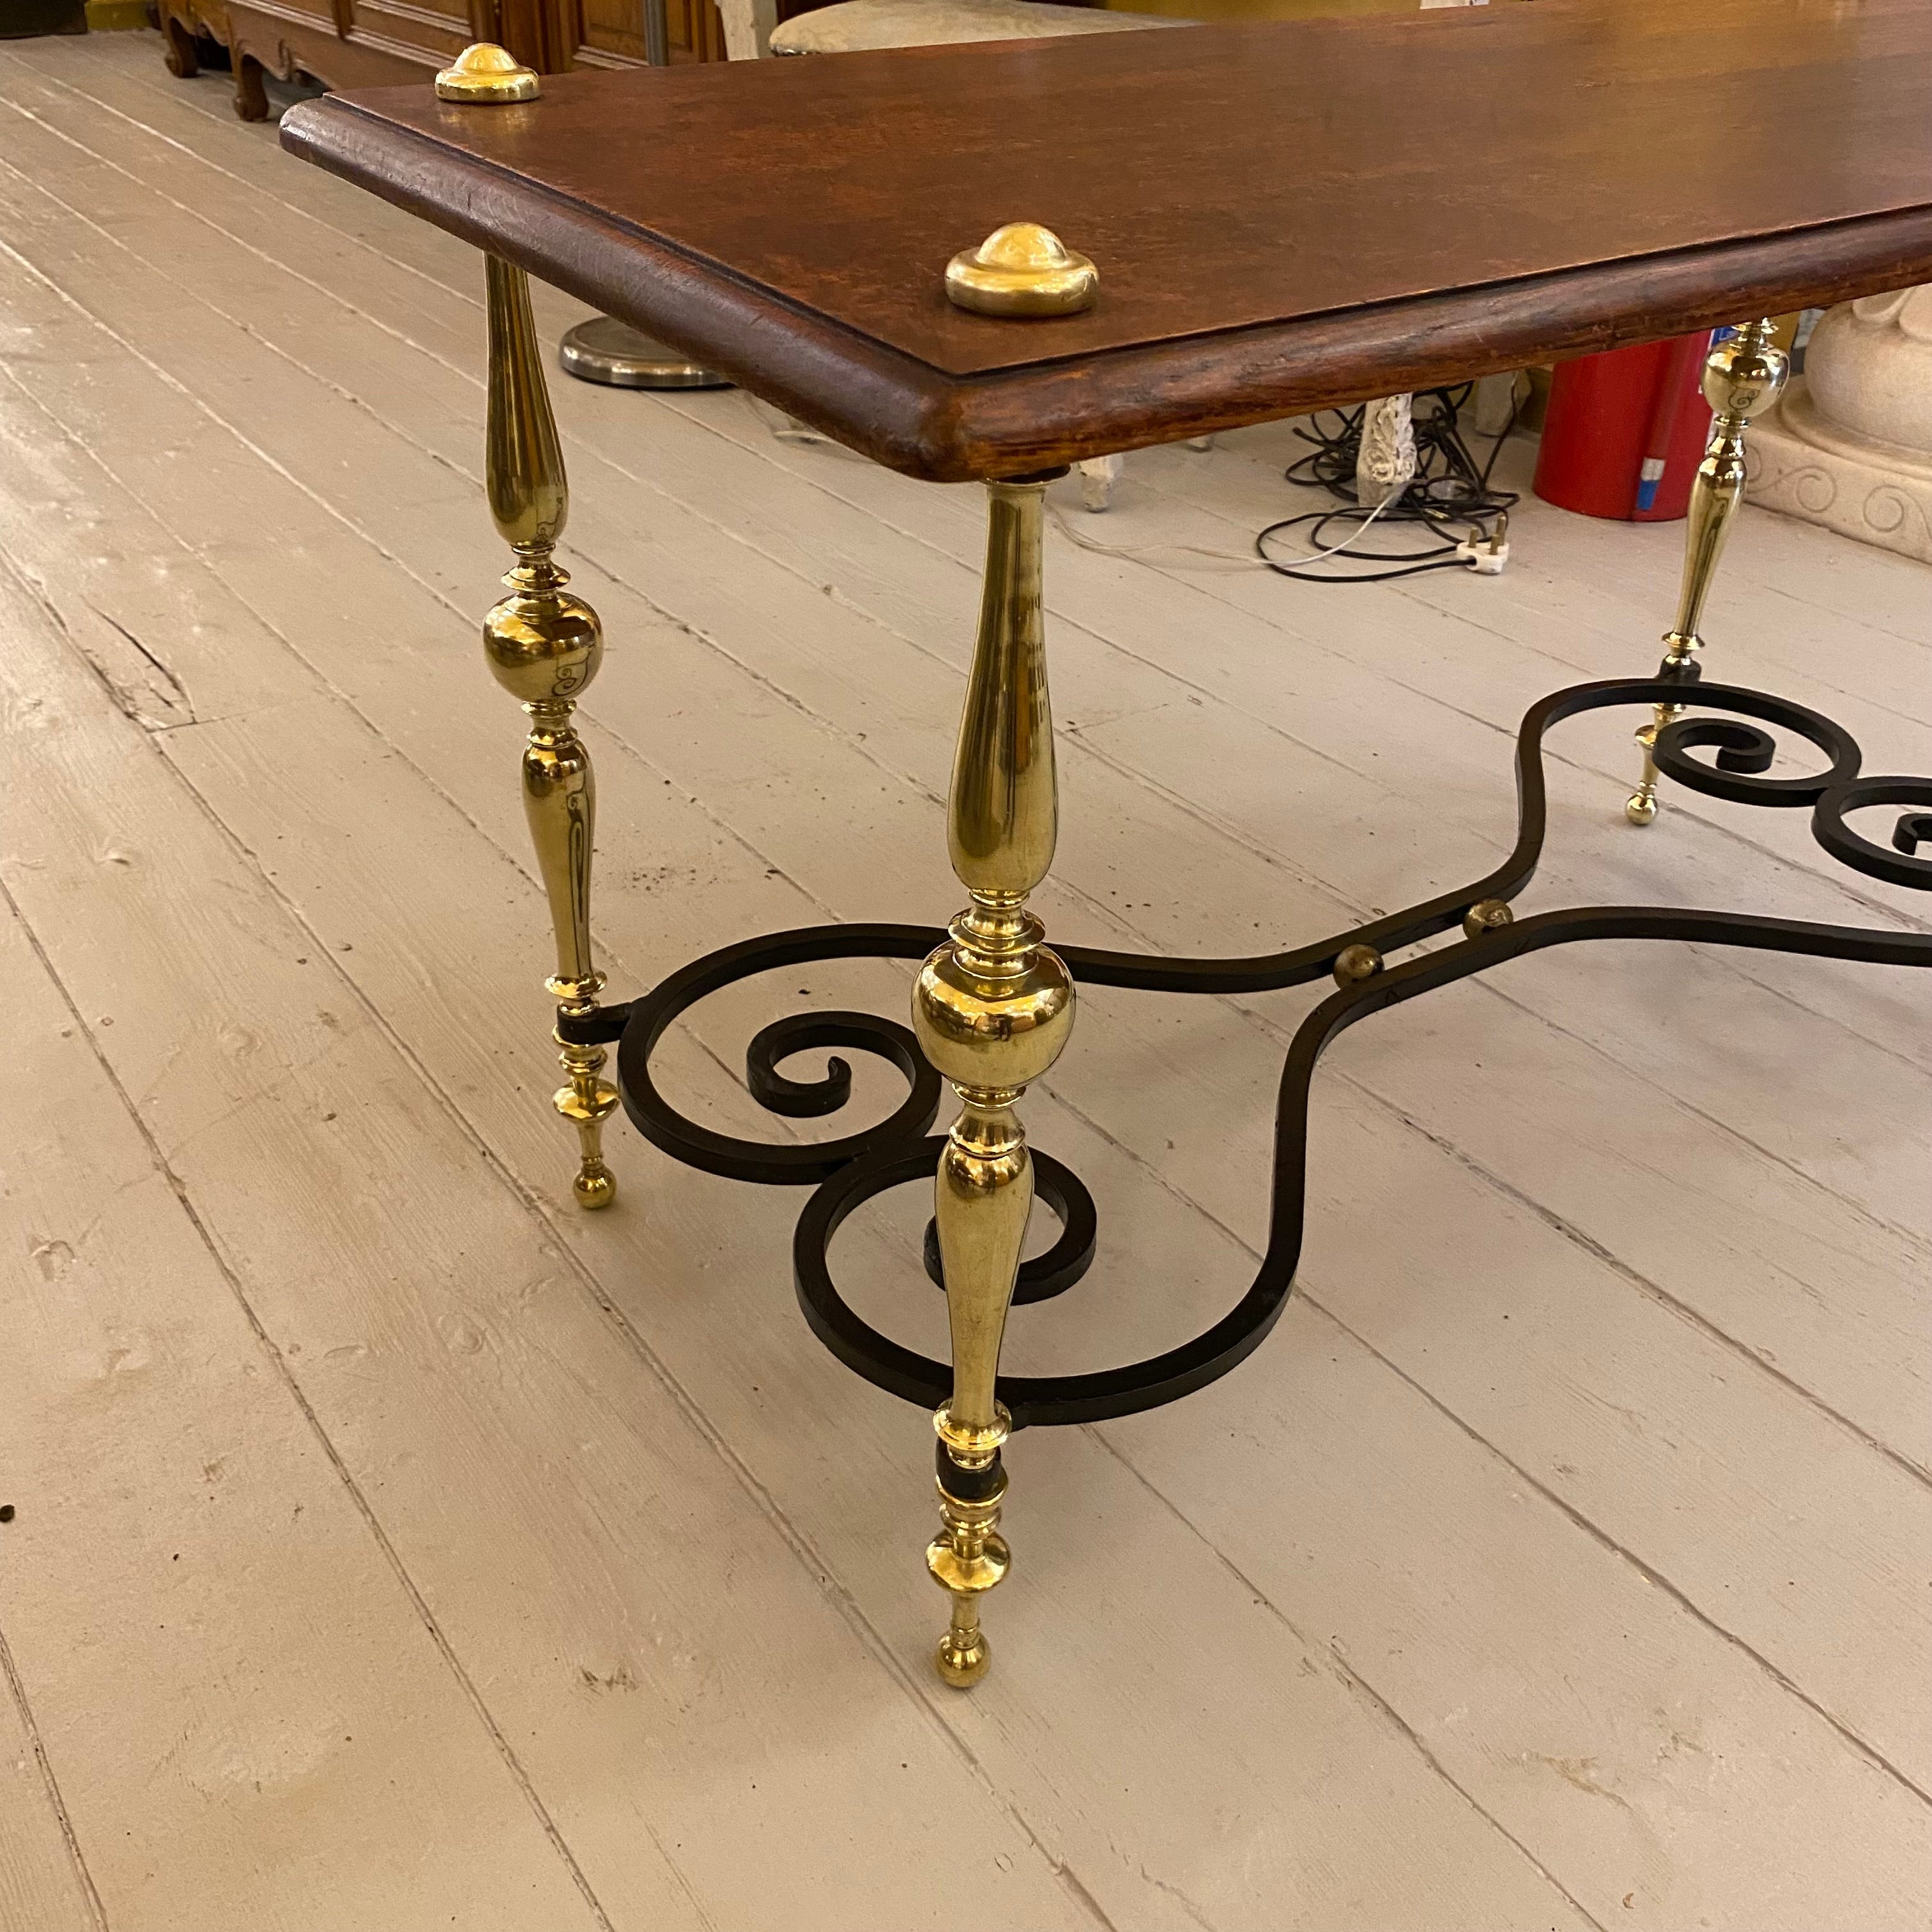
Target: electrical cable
1448,489
1448,484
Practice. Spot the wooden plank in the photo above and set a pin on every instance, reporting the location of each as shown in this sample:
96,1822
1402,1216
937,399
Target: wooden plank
1653,1801
1158,1287
43,1883
246,1711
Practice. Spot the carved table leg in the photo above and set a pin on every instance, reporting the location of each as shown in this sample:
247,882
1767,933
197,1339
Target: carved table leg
992,1009
544,646
1741,378
251,92
179,52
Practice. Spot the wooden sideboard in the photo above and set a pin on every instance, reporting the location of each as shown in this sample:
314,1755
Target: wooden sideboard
378,42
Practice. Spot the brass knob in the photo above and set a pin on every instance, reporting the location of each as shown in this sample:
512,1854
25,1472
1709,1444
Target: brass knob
1486,916
1354,964
486,72
1022,269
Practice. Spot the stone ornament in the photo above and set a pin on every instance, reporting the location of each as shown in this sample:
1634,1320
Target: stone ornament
1850,445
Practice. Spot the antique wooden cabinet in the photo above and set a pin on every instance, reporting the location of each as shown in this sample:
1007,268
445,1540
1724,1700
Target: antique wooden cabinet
376,42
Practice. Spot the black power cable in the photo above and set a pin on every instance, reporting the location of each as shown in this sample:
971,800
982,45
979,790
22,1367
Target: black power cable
1448,490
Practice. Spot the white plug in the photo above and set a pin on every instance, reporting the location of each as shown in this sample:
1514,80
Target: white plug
1486,555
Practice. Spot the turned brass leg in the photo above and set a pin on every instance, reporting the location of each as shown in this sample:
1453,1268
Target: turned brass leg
992,1009
544,646
1742,377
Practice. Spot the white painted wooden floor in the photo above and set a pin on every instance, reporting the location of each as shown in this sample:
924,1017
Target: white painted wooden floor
396,1548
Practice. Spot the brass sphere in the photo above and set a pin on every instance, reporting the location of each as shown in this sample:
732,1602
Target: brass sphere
597,1189
992,1030
1741,378
962,1665
1639,808
543,646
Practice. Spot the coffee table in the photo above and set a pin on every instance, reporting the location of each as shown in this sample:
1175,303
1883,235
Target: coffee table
1269,235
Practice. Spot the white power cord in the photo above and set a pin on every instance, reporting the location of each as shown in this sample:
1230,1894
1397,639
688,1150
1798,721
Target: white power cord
1487,558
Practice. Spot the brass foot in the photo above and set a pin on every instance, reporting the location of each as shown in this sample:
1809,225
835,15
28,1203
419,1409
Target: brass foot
969,1556
1640,808
595,1186
587,1102
963,1659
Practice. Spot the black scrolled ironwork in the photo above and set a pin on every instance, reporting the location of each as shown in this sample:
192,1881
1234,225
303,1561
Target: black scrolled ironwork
1902,864
781,1163
854,1169
1743,751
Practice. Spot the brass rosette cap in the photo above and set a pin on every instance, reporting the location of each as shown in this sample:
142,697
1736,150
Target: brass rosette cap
486,72
1022,269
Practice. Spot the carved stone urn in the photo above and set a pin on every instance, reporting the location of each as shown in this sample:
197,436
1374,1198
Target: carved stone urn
1849,445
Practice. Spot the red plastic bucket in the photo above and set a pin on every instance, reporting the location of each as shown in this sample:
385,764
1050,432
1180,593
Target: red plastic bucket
1626,431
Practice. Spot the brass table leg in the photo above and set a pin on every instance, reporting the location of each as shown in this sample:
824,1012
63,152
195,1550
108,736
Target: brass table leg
1742,377
992,1009
543,647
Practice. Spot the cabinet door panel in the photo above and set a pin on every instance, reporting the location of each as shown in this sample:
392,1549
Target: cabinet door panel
612,31
436,27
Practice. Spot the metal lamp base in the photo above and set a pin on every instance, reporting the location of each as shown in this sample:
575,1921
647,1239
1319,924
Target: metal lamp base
606,350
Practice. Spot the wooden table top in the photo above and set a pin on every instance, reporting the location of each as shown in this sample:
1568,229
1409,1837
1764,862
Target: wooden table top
1284,214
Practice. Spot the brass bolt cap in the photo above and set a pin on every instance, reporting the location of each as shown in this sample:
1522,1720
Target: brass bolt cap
486,72
1354,964
1486,916
1022,269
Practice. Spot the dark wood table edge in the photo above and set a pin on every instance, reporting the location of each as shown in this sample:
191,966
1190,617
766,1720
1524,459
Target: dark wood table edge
904,413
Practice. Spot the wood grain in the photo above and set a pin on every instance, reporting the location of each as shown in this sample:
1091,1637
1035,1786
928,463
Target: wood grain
1270,237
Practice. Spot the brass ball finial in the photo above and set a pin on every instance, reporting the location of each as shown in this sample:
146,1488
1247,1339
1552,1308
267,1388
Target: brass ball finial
1022,269
486,72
